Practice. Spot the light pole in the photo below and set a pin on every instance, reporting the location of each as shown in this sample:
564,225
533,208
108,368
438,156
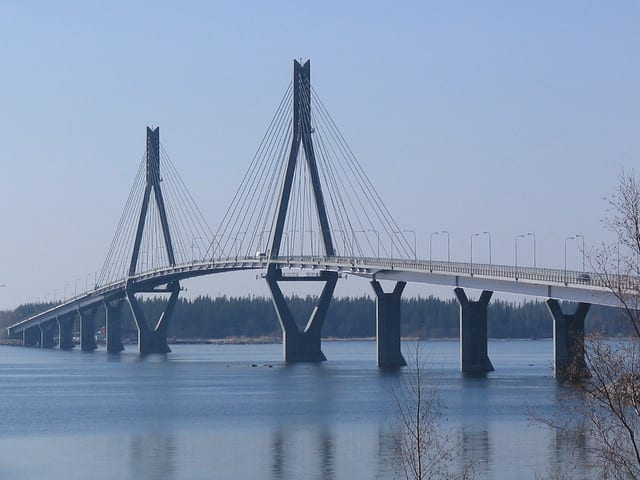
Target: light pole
471,250
430,245
489,237
565,256
377,241
517,237
415,243
215,244
583,252
311,232
448,245
235,239
194,245
260,241
533,235
344,241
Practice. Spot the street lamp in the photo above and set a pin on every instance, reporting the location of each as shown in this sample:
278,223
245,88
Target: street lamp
448,245
471,250
583,252
235,239
517,237
489,236
565,256
194,245
260,241
377,241
533,235
415,243
430,245
344,241
311,232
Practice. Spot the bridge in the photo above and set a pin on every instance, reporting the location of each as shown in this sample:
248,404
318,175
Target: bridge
305,211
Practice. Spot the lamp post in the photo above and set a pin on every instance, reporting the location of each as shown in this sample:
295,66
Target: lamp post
533,235
448,246
194,245
415,243
488,234
430,245
565,256
377,241
344,241
235,239
311,232
517,237
471,250
583,252
260,241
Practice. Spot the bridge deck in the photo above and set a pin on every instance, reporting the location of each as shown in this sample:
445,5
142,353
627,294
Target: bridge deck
540,282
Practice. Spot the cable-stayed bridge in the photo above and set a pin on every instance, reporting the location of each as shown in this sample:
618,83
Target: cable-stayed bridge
305,211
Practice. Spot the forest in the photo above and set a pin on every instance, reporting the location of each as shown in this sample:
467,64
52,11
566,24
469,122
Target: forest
422,317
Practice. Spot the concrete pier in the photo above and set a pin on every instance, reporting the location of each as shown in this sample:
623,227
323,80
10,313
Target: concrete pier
47,334
153,340
65,332
113,326
302,346
473,332
568,341
388,325
31,336
87,330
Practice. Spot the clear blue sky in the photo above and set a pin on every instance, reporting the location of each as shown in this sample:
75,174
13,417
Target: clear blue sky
500,116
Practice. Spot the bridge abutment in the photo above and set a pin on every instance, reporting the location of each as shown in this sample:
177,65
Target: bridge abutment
388,318
87,330
65,333
473,332
113,326
302,346
568,341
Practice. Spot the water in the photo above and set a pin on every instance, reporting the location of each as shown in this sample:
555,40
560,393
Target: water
235,411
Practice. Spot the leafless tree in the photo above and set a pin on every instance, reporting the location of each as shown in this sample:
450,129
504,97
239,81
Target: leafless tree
610,394
421,449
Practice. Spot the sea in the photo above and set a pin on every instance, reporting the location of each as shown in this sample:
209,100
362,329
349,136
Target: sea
238,412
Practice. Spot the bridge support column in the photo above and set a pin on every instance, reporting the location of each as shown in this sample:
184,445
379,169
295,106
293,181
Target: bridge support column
65,333
153,340
473,332
302,346
31,337
568,341
87,330
388,325
113,326
47,332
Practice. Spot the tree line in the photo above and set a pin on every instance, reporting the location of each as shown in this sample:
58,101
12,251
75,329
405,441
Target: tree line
423,317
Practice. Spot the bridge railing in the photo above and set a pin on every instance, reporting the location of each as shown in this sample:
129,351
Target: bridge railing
547,275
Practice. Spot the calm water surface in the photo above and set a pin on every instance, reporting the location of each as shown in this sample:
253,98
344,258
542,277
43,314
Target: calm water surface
235,411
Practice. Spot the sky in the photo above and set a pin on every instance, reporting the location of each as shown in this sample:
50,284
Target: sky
499,116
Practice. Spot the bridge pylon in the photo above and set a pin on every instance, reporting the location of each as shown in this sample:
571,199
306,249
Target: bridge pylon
301,346
152,339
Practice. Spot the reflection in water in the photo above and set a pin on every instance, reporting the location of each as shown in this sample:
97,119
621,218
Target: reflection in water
316,455
475,447
152,456
277,449
568,448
